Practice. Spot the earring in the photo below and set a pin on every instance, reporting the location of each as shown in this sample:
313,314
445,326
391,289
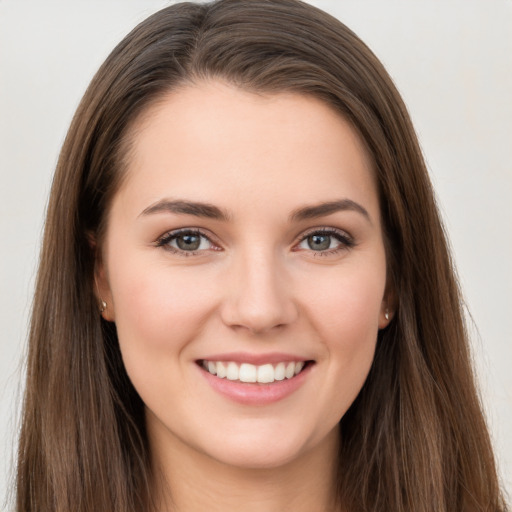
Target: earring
386,314
103,306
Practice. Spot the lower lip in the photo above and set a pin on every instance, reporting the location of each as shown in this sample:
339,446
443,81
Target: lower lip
256,394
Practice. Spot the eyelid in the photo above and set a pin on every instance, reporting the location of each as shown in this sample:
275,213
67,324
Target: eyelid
325,230
164,240
343,236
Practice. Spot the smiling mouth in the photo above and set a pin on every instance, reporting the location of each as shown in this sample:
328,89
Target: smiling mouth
250,373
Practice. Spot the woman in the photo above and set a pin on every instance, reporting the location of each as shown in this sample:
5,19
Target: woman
245,297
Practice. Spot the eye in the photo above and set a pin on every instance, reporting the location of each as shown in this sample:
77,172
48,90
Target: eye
186,242
326,240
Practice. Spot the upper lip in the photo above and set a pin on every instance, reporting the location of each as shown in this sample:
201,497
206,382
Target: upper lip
256,359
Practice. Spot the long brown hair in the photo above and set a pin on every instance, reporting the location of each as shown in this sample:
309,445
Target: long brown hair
415,439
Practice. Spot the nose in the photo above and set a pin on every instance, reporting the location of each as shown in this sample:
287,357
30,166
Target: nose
258,295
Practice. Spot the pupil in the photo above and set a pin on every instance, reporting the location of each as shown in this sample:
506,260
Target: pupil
188,242
319,242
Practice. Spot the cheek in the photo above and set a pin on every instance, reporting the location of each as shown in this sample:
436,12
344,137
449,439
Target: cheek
344,304
157,307
344,308
158,312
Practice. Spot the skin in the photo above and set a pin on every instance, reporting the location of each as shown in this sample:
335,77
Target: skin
256,287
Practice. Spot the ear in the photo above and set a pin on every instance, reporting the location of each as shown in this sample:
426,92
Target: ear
103,293
102,290
388,307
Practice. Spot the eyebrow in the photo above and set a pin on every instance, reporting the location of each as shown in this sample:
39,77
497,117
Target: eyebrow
210,211
187,208
323,209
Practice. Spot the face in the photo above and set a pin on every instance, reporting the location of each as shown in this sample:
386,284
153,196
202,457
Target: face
244,267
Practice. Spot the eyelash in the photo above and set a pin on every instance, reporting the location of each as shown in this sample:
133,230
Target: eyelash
165,240
345,240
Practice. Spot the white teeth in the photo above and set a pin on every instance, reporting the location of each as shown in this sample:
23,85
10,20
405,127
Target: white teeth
232,371
221,370
290,370
279,371
246,372
265,373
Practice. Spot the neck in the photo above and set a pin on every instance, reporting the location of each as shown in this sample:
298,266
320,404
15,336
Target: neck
189,481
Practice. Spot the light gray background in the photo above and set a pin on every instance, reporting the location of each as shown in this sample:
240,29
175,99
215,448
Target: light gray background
452,61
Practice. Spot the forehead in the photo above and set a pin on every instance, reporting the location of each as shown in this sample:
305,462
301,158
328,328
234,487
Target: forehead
215,142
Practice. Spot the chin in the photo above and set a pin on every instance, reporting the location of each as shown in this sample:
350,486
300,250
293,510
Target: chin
277,449
258,457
